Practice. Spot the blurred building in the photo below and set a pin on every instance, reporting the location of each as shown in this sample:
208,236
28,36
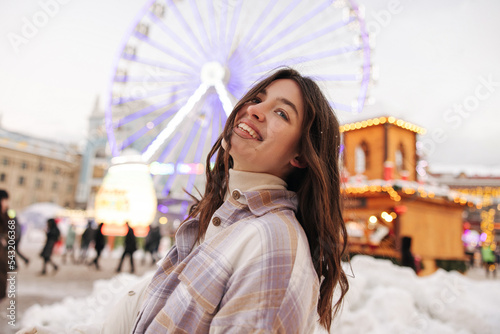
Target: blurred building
386,200
37,170
95,160
480,186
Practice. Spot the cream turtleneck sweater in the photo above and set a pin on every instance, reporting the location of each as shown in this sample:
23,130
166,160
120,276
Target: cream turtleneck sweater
247,181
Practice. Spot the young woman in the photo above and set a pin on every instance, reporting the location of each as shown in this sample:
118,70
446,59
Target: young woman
261,251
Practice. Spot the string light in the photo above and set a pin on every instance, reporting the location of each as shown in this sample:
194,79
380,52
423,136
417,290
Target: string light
382,120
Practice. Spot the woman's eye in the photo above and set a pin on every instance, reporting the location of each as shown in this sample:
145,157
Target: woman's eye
255,100
282,114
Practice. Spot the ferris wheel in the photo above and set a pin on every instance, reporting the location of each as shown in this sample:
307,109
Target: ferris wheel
185,63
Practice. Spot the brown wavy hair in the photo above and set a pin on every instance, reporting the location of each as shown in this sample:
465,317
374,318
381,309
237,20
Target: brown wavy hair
317,187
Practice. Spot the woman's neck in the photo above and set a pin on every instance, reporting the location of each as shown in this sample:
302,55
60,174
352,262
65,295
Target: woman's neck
250,181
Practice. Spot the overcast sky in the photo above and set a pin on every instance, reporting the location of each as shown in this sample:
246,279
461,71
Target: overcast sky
438,67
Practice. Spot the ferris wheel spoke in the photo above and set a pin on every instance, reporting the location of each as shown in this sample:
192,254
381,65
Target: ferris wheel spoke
222,32
232,30
213,27
199,21
190,51
146,111
264,32
223,94
303,59
168,148
198,155
161,91
186,27
301,41
149,62
174,122
177,89
145,129
257,23
181,157
336,77
340,106
150,78
292,27
166,50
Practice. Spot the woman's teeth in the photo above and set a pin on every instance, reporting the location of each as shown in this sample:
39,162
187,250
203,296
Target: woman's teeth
248,129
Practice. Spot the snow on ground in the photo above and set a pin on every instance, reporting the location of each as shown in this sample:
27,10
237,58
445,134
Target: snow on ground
383,298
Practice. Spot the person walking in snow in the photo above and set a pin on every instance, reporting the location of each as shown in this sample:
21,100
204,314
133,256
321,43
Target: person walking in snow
130,248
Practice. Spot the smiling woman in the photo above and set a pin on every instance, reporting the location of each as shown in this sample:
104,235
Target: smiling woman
261,251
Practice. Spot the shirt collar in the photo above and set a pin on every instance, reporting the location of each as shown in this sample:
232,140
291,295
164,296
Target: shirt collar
260,202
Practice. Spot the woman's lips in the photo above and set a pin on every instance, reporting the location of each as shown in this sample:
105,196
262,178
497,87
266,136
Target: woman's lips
246,131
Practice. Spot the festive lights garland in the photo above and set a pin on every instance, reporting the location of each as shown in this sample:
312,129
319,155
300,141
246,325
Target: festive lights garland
382,120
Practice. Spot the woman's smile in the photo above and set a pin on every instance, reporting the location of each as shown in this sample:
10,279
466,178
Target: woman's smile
248,131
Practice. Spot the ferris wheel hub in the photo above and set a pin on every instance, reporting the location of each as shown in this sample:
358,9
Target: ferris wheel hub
213,72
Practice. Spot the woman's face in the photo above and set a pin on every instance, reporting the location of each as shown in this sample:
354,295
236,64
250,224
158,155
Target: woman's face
267,130
4,204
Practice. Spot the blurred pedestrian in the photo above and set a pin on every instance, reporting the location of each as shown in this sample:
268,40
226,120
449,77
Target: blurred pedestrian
407,259
87,237
489,260
152,243
4,228
130,248
99,243
70,244
53,235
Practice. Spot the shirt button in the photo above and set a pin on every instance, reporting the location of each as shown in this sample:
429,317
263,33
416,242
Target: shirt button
216,221
236,194
131,293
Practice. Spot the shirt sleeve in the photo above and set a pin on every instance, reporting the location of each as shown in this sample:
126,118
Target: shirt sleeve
121,318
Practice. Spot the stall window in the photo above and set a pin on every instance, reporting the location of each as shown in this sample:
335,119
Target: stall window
362,155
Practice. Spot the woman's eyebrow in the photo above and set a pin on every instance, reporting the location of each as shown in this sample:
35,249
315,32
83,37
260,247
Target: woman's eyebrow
282,100
289,103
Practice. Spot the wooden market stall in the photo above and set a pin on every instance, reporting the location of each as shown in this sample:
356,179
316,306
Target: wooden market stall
385,200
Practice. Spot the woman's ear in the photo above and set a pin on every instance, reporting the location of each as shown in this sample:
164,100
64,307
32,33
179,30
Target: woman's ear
298,162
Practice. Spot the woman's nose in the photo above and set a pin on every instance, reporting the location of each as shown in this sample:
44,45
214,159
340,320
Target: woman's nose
256,112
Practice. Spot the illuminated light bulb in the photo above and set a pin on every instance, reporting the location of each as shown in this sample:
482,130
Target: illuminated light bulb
358,125
388,218
369,122
391,119
394,215
382,120
372,219
163,220
399,122
384,214
376,121
364,124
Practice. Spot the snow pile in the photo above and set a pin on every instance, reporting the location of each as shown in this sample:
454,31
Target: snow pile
383,298
81,315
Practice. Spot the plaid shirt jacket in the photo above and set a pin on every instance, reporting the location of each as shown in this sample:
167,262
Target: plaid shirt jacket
255,275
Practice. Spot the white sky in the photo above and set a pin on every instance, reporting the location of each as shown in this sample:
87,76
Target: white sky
431,55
